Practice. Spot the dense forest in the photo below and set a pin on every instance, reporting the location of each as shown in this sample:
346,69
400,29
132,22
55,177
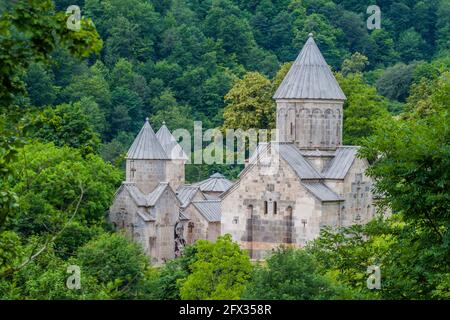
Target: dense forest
72,102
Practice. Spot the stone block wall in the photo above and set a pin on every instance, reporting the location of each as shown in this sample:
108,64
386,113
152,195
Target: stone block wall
147,174
311,124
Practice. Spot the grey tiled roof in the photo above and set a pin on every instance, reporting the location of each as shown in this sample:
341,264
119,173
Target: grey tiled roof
310,77
343,159
215,183
154,196
317,153
143,200
146,146
170,145
290,153
145,216
261,147
209,209
136,194
183,216
186,193
321,191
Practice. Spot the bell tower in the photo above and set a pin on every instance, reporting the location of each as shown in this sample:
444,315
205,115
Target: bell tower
310,103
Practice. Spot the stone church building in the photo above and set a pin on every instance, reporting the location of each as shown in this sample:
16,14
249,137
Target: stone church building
288,190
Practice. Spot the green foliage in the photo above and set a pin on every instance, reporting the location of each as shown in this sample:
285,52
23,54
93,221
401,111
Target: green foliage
45,279
175,61
30,33
10,250
50,181
114,151
115,262
220,271
357,63
362,108
395,81
74,235
412,160
413,264
68,124
39,83
291,274
88,83
167,280
411,45
250,104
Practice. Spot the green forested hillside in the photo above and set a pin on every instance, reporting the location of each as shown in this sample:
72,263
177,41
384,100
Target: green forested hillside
177,59
72,102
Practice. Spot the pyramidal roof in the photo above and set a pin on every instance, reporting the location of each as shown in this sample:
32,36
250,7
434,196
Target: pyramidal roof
310,77
170,145
215,183
146,146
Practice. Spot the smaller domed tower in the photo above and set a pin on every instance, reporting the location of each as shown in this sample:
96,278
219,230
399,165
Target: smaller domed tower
175,174
146,160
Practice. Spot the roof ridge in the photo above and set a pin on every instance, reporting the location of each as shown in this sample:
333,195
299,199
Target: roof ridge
146,145
310,77
170,145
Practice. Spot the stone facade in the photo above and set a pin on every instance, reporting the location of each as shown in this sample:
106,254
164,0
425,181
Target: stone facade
288,191
310,124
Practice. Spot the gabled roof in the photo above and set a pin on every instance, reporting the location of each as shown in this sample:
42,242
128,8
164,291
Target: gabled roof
215,183
209,209
340,164
154,196
145,216
146,146
170,145
321,191
186,193
310,77
301,166
136,194
183,216
289,153
141,199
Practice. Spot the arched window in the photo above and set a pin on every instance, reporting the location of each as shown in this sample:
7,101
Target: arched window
328,139
249,210
317,127
289,211
265,207
190,227
274,207
132,169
